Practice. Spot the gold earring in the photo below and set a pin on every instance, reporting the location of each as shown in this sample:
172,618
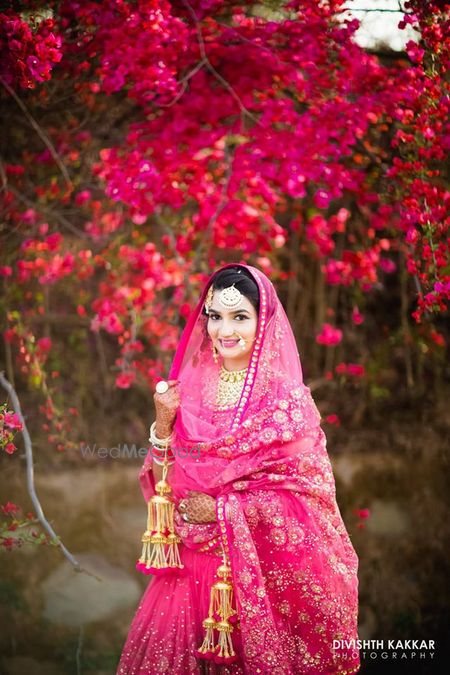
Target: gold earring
214,351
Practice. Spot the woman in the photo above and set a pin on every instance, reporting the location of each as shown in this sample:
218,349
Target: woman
254,490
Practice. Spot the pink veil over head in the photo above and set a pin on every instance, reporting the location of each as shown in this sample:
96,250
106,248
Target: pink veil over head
274,360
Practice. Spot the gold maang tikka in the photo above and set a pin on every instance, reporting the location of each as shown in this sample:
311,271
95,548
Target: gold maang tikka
229,297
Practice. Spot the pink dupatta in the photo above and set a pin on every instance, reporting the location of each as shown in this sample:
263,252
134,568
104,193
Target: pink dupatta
294,569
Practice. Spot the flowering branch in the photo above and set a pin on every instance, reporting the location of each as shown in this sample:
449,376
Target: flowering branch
30,478
213,71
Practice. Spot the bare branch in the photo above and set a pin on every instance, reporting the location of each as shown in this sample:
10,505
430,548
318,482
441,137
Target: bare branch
62,220
373,9
3,176
41,133
184,83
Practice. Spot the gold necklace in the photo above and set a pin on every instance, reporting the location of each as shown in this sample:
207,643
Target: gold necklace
232,375
229,387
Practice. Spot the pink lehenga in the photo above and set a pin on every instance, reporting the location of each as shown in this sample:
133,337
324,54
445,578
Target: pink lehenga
294,569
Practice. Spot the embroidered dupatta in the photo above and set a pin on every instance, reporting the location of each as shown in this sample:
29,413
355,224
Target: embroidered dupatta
294,569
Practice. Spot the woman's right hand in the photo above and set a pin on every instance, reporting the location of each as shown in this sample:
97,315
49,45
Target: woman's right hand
166,406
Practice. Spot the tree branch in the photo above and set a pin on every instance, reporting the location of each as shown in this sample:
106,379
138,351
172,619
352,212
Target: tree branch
30,478
62,220
41,133
213,71
184,83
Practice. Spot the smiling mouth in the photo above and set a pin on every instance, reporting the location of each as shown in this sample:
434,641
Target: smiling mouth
228,343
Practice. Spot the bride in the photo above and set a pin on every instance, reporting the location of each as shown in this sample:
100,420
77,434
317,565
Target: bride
253,569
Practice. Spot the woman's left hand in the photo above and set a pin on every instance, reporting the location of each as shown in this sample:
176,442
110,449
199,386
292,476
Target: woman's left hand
199,507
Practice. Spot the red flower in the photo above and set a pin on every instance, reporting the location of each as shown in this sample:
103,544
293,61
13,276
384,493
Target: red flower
356,369
437,338
124,380
333,419
10,509
10,448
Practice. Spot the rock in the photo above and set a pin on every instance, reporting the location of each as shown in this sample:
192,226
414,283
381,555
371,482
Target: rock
72,598
387,518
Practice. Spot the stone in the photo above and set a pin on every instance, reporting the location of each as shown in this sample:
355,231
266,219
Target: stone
73,598
387,518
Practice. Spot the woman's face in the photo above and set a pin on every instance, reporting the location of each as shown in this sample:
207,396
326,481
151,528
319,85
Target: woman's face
226,327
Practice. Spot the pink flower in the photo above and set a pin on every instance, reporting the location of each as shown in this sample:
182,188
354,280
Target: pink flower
82,197
387,265
12,420
29,216
414,52
10,448
5,271
53,241
10,509
355,369
124,380
440,287
44,344
363,513
357,317
139,218
329,335
322,199
113,324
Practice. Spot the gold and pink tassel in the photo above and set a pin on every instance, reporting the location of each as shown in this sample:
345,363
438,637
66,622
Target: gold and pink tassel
220,618
160,553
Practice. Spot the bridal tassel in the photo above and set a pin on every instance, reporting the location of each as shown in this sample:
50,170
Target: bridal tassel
160,552
221,617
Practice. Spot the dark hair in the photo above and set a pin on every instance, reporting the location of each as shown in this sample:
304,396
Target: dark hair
243,281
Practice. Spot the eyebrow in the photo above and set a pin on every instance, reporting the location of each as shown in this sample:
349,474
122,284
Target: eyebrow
236,311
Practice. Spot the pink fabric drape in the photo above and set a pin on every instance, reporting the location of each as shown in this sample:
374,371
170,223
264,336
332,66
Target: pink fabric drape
265,461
